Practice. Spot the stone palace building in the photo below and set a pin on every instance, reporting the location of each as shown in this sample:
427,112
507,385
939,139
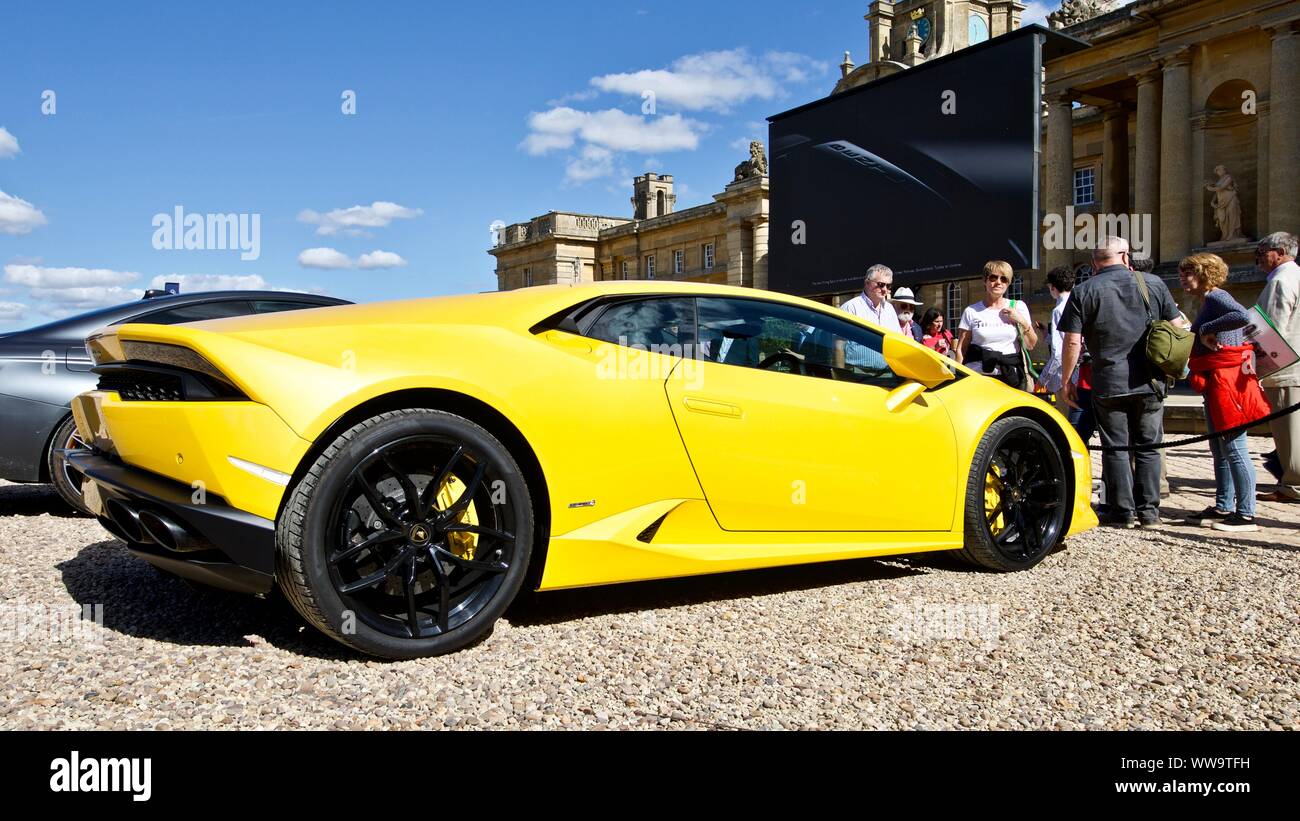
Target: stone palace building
1184,110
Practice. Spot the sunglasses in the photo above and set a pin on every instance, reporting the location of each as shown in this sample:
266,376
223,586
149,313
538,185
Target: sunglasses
996,278
884,286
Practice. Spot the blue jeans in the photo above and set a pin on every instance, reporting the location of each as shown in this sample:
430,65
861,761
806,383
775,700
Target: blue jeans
1234,473
1082,418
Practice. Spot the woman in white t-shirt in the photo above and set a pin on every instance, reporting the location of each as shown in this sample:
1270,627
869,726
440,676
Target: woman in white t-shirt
991,330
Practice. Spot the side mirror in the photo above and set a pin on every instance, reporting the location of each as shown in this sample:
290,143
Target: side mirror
911,361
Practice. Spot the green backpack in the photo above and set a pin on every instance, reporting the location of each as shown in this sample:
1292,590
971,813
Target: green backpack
1168,347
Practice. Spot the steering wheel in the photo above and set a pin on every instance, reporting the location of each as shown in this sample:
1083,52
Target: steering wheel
795,363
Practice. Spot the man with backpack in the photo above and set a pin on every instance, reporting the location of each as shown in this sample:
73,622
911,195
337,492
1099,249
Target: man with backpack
1120,315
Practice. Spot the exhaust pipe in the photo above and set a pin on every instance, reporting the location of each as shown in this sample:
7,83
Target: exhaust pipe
127,520
169,534
111,526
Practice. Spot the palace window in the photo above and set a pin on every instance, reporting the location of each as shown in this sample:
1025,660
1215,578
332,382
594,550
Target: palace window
528,277
1085,186
1017,289
650,266
953,304
679,262
625,270
708,257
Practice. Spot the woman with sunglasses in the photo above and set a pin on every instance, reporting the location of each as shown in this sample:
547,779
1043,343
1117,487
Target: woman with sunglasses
996,332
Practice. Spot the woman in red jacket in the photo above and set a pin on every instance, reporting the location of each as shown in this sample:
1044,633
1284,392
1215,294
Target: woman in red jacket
1222,369
934,335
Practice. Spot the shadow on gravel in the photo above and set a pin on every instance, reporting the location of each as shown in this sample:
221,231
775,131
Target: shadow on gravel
1184,521
34,500
1214,539
142,601
564,605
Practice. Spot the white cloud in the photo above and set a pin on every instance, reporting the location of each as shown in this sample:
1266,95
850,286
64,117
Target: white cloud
715,80
593,162
18,216
212,282
353,220
12,310
327,258
380,259
610,129
1036,13
8,143
575,97
87,297
34,276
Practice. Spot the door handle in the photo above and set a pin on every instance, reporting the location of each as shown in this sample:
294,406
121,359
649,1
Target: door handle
570,341
711,407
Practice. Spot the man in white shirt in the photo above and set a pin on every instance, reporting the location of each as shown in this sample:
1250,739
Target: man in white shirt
1280,301
1060,281
873,303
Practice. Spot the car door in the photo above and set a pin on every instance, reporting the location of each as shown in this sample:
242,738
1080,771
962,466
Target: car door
784,415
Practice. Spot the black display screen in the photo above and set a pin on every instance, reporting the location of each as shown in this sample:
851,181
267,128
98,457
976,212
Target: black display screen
932,171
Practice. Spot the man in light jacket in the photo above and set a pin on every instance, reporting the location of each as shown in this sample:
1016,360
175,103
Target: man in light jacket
1275,256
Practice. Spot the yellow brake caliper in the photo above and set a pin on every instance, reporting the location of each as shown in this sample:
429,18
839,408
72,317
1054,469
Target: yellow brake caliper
992,496
462,544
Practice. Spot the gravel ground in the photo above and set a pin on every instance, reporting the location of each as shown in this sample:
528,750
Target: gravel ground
1122,630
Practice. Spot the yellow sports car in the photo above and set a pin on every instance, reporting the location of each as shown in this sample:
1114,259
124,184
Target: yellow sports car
401,470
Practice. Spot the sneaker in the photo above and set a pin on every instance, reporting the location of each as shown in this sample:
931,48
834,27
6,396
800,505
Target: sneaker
1237,524
1209,516
1150,523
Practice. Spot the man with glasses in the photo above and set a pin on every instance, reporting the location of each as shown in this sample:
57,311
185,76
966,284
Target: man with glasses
1107,310
1275,256
873,303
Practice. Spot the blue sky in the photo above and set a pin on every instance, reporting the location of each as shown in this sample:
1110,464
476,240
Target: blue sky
465,114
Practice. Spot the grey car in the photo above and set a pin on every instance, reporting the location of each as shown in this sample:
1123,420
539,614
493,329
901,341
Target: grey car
43,368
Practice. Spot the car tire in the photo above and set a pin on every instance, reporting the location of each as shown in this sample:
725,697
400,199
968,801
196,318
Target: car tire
65,480
1016,497
375,555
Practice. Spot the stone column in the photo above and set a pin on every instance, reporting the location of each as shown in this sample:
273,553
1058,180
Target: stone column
1114,160
760,252
1146,177
1060,170
737,260
1175,156
1284,131
1263,190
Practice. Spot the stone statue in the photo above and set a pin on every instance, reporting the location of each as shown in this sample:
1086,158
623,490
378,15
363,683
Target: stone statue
1226,205
1076,11
755,166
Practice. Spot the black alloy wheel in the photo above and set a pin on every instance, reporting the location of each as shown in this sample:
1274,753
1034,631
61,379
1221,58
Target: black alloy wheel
1017,496
415,537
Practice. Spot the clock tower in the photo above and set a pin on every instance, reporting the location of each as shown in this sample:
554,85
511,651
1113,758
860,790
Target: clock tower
909,32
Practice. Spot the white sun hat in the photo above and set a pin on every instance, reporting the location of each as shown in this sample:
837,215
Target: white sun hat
905,296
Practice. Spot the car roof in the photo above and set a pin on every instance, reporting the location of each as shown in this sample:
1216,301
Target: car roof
78,326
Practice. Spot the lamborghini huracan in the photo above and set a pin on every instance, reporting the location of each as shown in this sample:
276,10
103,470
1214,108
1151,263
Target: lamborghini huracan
401,471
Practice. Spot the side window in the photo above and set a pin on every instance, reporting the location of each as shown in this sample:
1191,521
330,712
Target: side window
271,306
652,324
196,313
752,333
